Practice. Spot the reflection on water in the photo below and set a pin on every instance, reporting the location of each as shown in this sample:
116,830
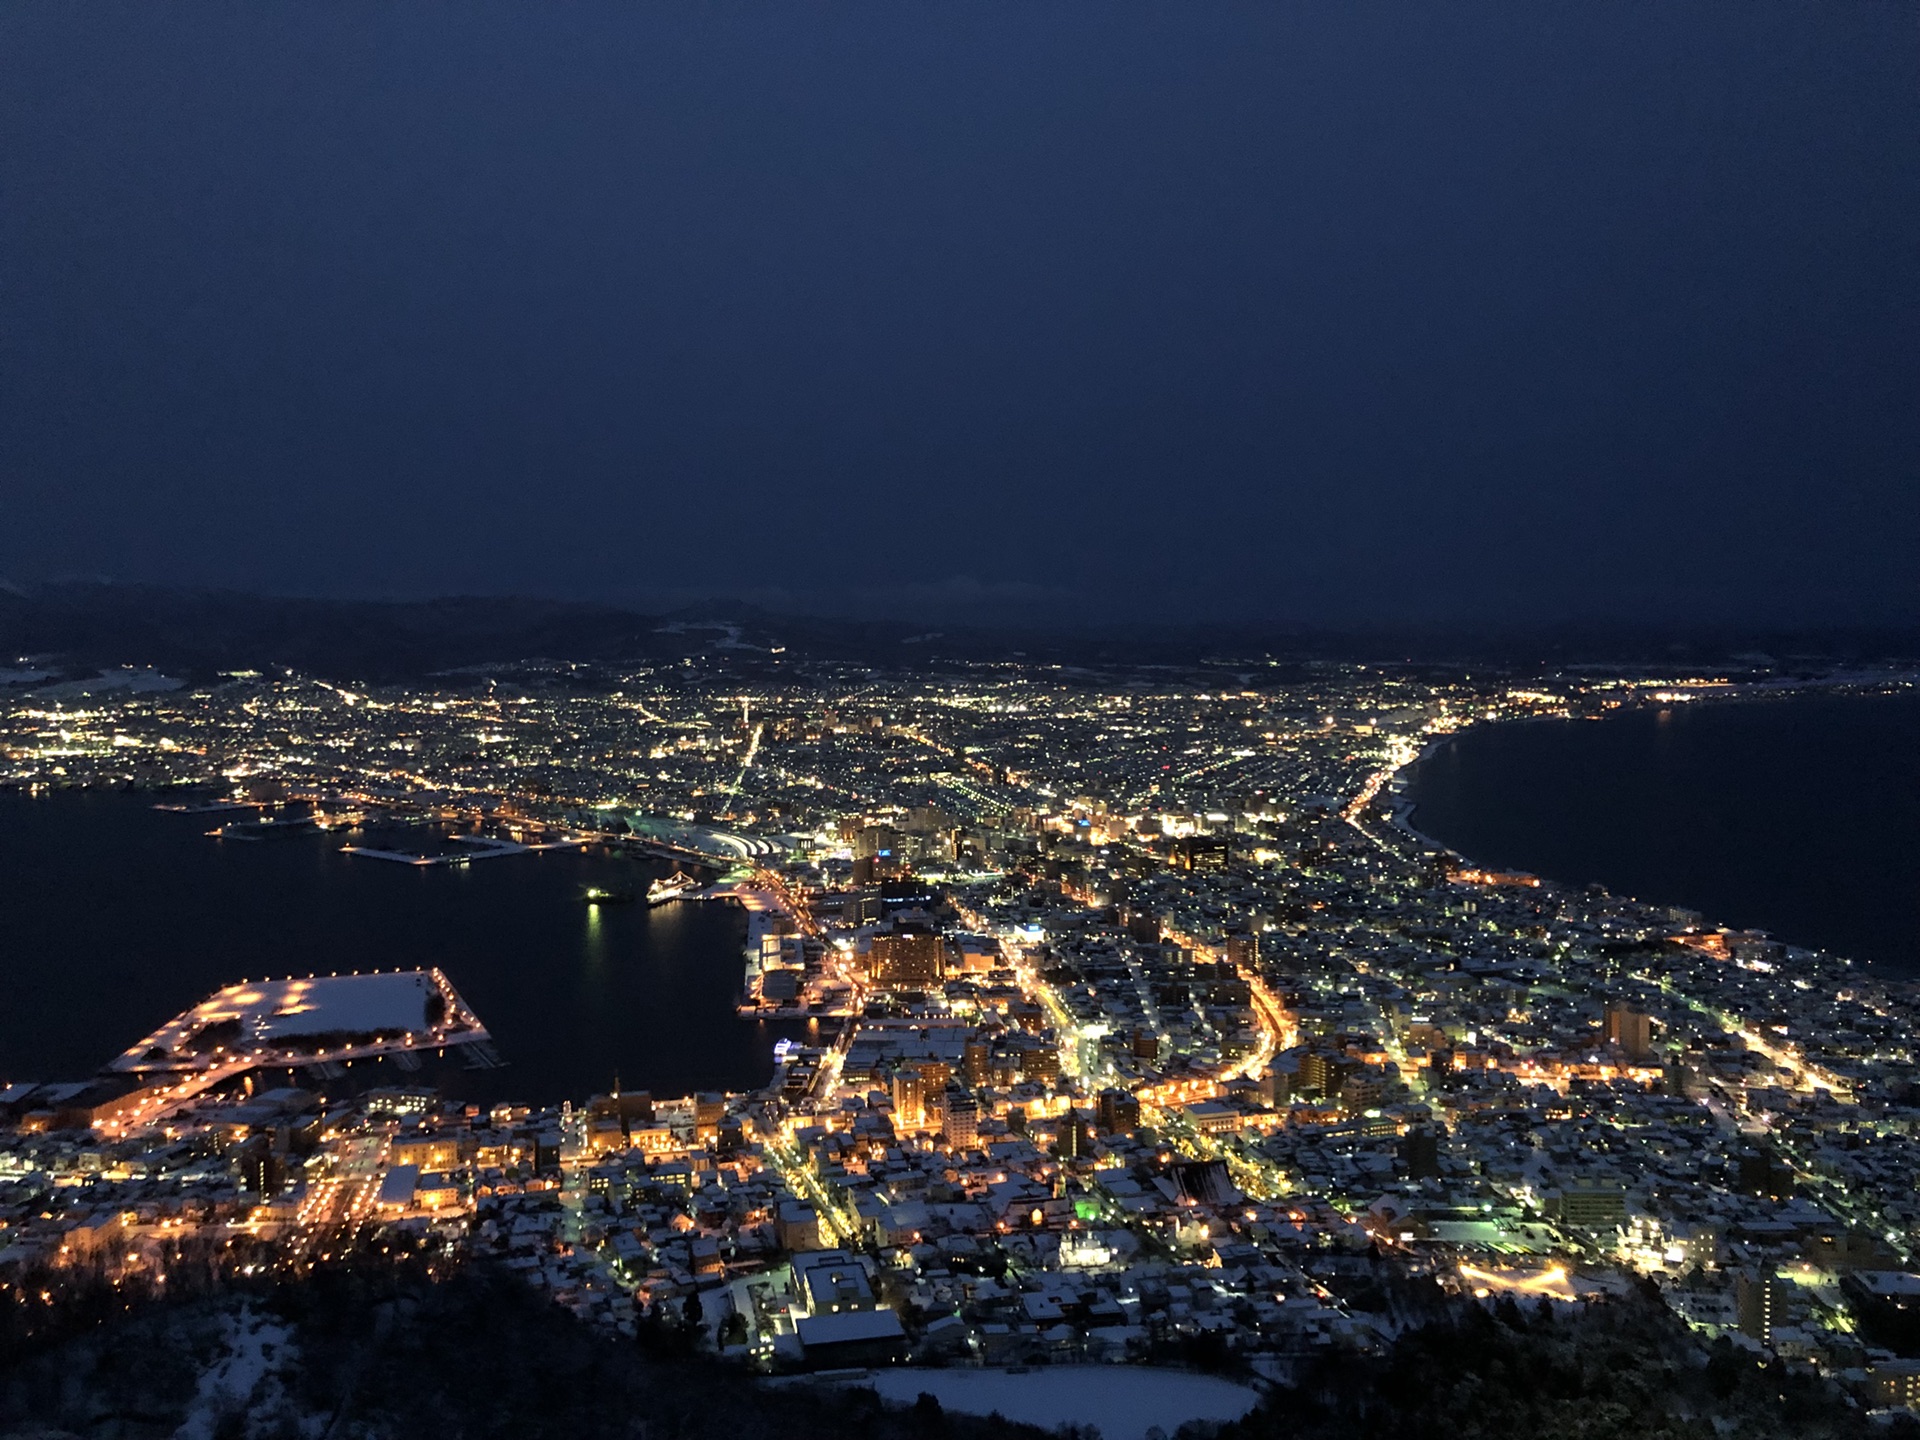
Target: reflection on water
114,917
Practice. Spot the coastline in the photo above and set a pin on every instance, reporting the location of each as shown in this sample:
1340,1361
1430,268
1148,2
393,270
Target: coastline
1864,684
545,973
1819,884
1400,817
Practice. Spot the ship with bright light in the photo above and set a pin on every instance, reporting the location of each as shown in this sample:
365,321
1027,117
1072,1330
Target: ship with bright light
676,886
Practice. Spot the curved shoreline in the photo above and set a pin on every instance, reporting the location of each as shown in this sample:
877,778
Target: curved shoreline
1403,816
1859,685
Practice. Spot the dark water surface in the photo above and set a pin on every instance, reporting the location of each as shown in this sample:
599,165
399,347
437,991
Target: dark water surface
1799,816
114,917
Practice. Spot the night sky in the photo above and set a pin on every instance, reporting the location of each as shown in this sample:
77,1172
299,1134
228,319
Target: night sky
1308,312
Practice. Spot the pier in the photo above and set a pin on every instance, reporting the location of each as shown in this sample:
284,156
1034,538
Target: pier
321,1021
481,847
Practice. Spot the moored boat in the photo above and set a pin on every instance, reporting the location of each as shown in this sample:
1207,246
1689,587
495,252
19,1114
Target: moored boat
675,887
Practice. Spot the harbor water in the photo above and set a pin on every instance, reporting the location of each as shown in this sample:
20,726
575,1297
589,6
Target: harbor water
115,916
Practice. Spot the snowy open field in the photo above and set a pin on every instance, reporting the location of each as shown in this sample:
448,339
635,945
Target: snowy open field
1124,1401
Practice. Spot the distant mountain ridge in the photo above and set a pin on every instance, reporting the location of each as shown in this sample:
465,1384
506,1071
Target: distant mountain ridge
195,633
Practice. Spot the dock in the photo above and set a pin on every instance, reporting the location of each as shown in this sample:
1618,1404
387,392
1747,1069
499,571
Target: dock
320,1022
481,847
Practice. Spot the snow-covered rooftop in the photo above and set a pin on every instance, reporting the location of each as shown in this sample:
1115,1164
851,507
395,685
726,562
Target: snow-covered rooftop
269,1016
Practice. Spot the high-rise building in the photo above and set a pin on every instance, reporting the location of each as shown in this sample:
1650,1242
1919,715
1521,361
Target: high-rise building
1076,1136
1326,1070
1200,852
261,1170
1593,1207
1758,1302
908,893
1420,1152
1895,1382
876,842
977,1060
1364,1089
1118,1111
908,956
877,853
1039,1059
909,1100
1282,1081
1629,1031
962,1119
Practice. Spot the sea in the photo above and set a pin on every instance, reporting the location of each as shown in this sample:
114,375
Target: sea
116,916
1797,815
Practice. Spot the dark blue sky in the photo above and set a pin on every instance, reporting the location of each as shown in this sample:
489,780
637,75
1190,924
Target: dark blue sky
1310,311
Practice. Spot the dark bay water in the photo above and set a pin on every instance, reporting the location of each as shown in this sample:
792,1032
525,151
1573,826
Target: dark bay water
114,917
1799,816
